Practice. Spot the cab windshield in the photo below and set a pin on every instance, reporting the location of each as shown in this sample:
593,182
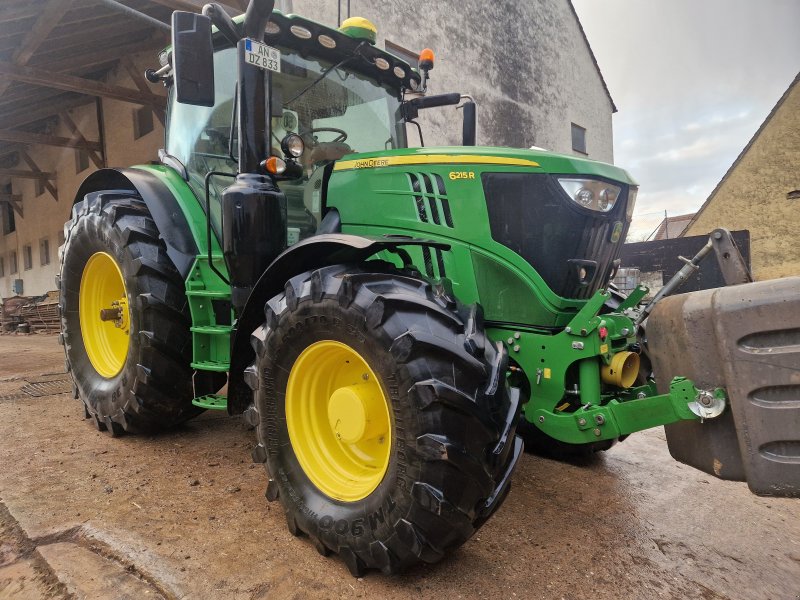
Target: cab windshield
344,112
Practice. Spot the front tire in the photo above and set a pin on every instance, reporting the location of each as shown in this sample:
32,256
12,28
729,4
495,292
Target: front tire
130,368
440,407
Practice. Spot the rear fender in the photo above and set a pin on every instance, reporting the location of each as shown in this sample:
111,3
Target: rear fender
162,204
312,253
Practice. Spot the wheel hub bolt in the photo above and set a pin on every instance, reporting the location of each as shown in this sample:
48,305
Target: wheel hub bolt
111,314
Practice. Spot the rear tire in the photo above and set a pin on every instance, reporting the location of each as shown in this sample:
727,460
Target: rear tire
153,386
452,415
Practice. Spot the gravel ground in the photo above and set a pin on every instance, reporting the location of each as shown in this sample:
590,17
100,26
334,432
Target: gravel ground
183,515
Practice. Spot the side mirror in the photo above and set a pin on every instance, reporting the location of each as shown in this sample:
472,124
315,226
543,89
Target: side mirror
192,59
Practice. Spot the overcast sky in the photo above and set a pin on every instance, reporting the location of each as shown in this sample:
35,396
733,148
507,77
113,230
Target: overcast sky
692,80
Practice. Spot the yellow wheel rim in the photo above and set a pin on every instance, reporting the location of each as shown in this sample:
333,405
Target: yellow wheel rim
338,421
104,314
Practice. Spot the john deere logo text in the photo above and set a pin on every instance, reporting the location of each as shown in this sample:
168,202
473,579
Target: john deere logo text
462,175
369,163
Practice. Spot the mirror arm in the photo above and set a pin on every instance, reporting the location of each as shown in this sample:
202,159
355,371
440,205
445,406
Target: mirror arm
223,22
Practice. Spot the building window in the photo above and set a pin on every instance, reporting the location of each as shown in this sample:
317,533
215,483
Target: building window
142,122
27,257
12,262
44,251
81,161
9,222
412,58
579,139
2,267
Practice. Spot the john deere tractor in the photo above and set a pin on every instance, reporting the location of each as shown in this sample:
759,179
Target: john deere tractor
384,316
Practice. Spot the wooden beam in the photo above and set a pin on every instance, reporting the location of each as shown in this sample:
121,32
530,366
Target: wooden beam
73,129
79,85
49,16
35,168
92,58
191,6
27,137
26,174
14,200
52,107
16,13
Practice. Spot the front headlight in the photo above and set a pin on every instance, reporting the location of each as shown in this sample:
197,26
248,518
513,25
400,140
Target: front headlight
591,193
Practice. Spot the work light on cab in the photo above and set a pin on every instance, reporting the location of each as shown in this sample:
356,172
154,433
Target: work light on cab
293,145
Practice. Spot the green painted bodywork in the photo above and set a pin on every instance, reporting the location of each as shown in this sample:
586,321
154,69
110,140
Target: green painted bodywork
521,311
554,342
210,340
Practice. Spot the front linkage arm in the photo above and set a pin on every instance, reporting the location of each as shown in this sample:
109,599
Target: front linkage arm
637,411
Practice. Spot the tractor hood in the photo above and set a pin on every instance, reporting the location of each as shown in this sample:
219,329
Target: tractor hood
535,160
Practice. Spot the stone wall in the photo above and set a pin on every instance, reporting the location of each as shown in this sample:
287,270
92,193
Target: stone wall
526,64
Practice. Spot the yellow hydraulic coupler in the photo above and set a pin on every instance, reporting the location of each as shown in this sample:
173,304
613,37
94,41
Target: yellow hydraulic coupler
622,370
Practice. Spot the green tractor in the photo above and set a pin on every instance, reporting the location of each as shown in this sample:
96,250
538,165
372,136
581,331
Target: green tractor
384,316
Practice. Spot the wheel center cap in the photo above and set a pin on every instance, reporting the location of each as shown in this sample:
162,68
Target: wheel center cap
349,414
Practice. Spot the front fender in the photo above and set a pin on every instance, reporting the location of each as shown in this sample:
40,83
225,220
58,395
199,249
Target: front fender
162,204
312,253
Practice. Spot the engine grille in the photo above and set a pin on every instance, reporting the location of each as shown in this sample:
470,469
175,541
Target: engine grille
430,199
530,214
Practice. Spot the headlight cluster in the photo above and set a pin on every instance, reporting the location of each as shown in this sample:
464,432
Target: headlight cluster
591,193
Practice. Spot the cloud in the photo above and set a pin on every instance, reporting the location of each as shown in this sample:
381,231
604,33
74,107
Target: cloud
693,82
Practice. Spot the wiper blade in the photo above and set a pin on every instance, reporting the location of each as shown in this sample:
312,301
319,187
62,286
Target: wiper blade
324,74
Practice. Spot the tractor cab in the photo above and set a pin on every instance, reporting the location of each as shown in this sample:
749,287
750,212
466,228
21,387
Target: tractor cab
332,93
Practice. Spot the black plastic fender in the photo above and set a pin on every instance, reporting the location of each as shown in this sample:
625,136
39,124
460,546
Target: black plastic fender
162,204
312,253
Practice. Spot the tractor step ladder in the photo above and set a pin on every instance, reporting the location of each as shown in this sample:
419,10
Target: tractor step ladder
212,402
212,317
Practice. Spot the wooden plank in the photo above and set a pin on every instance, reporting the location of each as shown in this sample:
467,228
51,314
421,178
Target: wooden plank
50,187
27,137
19,12
14,200
79,85
22,116
92,58
51,13
100,38
26,174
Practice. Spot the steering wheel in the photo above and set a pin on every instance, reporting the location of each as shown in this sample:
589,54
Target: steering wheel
340,138
218,135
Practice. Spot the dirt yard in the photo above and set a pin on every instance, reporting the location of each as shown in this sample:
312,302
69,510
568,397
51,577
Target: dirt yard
183,515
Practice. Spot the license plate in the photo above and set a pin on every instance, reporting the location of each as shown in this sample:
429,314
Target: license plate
262,56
